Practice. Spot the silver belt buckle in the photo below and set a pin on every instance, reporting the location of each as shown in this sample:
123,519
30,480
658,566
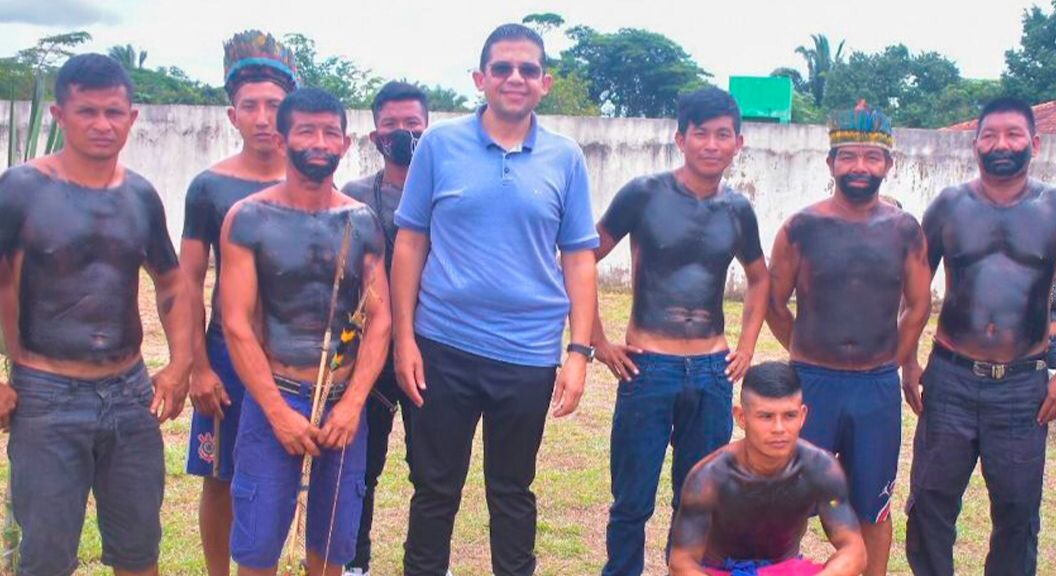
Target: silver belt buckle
988,370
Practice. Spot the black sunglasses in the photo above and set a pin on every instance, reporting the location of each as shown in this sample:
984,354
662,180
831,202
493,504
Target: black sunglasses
528,70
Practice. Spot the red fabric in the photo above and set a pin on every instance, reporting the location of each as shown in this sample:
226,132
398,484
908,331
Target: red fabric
793,567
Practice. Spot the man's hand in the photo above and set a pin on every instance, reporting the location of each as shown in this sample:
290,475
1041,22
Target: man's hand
1048,407
617,358
295,433
8,401
170,391
568,389
911,373
341,425
737,364
208,395
410,370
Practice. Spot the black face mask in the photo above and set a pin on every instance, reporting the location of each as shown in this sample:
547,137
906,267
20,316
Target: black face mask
398,146
314,172
858,194
1005,162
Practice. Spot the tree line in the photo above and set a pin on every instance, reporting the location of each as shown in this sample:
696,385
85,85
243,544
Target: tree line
634,72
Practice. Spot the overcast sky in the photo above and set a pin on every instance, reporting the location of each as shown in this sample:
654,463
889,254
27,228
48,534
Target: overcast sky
439,42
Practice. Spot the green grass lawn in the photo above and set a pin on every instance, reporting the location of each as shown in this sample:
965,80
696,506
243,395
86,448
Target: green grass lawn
572,489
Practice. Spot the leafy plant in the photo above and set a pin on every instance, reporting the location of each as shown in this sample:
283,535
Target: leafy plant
11,534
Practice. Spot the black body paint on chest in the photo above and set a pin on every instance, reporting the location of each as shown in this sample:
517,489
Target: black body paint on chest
683,247
82,250
999,263
209,197
764,517
849,286
296,258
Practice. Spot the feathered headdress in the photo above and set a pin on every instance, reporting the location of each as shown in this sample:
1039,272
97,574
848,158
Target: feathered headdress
861,126
253,56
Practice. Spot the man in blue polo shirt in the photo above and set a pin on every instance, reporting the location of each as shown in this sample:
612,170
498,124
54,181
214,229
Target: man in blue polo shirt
480,299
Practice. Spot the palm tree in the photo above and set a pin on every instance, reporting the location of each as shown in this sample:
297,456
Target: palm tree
128,57
820,61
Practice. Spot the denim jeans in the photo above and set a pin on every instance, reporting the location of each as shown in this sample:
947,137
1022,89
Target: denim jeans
69,436
685,401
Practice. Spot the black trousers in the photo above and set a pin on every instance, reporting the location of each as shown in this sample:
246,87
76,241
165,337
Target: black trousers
513,401
968,418
379,420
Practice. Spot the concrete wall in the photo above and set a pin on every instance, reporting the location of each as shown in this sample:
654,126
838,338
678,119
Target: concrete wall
781,169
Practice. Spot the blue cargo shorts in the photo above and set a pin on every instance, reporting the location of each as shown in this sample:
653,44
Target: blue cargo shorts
265,484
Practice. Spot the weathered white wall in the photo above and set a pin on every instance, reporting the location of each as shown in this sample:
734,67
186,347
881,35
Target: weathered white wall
781,169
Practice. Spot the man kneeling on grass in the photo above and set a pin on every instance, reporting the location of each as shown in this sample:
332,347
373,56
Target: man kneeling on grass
745,507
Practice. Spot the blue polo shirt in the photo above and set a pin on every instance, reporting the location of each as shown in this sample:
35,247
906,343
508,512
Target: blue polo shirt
492,284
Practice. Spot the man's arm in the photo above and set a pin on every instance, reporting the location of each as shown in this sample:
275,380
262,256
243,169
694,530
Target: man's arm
11,216
756,300
581,283
689,529
408,260
840,523
207,392
174,311
916,307
9,325
238,297
934,247
615,356
343,421
784,267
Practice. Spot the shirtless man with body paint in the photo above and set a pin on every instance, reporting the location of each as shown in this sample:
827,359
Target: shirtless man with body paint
745,507
76,228
851,259
987,396
258,74
676,370
281,248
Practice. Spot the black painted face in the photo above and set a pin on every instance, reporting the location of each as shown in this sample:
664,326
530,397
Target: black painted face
860,188
1005,162
315,172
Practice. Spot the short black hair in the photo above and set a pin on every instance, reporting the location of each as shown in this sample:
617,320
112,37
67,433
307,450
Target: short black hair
1008,104
396,91
699,106
771,380
511,32
91,72
311,100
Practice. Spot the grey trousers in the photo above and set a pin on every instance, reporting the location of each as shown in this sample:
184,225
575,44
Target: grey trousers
967,418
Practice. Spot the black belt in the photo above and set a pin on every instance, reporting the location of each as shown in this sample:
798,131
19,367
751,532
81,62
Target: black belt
991,370
294,387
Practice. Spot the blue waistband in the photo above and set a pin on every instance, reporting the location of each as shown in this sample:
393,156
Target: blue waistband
716,359
882,370
742,567
22,372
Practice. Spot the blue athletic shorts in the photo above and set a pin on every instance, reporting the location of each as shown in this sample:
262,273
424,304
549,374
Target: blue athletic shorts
203,446
858,417
264,491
